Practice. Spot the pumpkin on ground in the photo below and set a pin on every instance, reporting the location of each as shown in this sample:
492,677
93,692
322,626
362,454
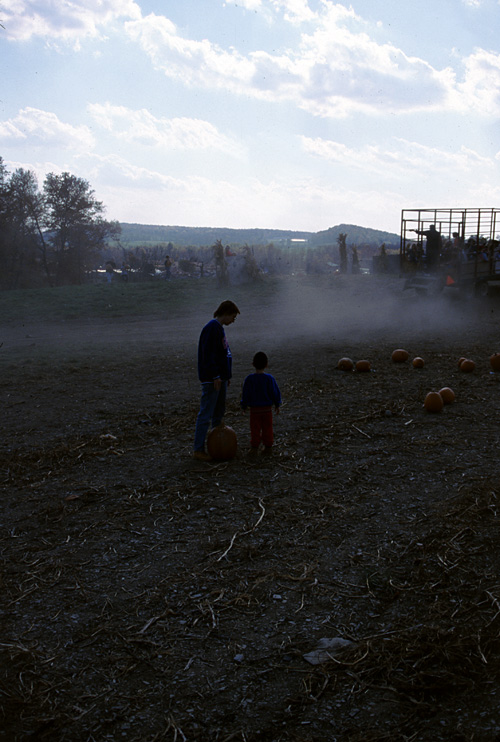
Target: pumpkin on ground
400,355
418,362
447,394
433,402
363,366
467,365
495,361
222,443
345,364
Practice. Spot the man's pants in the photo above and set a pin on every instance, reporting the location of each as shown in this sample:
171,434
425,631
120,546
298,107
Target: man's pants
212,409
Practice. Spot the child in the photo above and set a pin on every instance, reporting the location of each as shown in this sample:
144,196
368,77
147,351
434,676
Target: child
260,393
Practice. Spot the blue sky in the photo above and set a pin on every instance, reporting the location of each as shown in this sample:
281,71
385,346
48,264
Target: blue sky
285,114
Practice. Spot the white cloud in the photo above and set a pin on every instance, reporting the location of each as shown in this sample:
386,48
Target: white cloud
33,127
192,62
405,160
295,11
247,4
67,21
134,193
335,71
480,91
141,127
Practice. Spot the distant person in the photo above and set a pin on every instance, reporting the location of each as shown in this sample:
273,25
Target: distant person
110,269
433,245
458,248
260,393
214,372
168,267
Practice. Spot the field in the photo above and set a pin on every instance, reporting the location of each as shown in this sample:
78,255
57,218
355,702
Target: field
147,596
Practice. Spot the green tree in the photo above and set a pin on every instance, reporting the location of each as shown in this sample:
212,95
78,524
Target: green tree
21,211
76,227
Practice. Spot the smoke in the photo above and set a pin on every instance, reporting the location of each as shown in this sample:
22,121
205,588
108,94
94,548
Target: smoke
360,309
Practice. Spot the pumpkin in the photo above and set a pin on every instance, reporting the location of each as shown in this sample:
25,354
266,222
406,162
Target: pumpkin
400,356
363,366
418,362
345,364
222,443
495,361
447,394
433,402
467,365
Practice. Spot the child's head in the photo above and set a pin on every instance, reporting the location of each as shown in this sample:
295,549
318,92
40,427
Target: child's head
260,361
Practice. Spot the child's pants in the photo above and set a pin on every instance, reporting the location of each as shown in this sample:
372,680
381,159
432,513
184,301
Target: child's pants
261,426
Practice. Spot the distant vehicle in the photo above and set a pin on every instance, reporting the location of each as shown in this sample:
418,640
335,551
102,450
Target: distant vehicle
456,248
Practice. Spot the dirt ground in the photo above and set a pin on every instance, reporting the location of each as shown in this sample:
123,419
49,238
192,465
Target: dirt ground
148,596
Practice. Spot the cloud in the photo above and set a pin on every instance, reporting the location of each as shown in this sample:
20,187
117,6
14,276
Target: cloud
336,70
189,61
246,4
406,159
141,127
64,21
134,193
480,90
36,128
294,11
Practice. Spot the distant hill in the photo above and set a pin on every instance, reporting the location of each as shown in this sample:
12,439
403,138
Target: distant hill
150,234
355,235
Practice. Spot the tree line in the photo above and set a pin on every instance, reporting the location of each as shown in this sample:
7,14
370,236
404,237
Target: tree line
52,236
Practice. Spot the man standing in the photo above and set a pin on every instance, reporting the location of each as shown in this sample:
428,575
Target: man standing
214,372
433,246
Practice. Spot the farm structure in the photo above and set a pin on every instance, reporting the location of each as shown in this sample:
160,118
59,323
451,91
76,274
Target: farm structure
466,244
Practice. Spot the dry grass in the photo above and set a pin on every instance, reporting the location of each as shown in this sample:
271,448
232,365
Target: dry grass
150,597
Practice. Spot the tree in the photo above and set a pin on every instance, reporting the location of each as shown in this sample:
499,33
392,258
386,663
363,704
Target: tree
341,240
355,260
21,210
221,269
74,221
251,267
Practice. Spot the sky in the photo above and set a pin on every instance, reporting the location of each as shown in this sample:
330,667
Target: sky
272,114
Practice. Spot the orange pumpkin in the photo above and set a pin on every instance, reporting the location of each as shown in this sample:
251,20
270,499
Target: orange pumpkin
345,364
433,402
467,365
222,443
363,366
447,394
400,355
495,361
418,362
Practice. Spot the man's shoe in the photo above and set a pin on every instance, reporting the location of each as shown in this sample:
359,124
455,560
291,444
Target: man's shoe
202,456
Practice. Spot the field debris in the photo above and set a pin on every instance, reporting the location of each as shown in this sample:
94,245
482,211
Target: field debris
348,586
